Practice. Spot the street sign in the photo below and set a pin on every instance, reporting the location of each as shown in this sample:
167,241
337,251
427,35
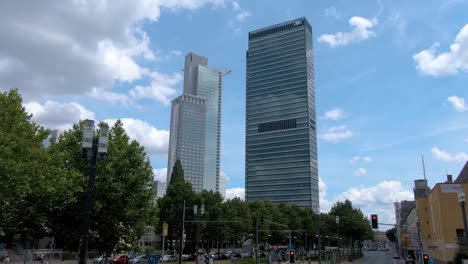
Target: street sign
337,219
165,229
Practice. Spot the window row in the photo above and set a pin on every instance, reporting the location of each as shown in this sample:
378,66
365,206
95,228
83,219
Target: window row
277,125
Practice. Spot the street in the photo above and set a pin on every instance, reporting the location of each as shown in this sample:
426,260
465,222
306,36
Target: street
379,257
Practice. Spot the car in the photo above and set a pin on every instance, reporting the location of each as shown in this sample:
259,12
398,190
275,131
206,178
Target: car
247,254
131,257
98,260
141,259
235,255
396,255
122,259
169,258
410,260
228,254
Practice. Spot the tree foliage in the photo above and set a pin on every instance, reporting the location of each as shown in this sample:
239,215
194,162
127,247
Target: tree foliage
391,235
122,191
44,190
33,184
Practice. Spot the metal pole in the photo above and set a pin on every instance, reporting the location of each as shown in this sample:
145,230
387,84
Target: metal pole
319,244
89,201
256,244
462,204
163,242
182,235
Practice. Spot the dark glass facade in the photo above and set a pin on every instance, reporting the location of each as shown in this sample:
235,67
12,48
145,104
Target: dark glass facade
281,137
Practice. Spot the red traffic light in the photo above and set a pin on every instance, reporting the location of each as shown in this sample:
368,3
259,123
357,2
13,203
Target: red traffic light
291,252
374,217
426,256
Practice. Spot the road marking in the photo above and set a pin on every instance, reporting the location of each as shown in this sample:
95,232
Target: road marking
394,261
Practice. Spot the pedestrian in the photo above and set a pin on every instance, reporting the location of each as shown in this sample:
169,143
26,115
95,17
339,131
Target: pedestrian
7,257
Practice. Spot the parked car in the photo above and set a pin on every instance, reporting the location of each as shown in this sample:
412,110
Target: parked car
247,254
228,254
140,259
122,259
410,260
98,260
169,258
235,256
191,257
131,257
396,255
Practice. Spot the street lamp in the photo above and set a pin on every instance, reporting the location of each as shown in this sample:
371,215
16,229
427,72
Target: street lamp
93,148
461,200
198,212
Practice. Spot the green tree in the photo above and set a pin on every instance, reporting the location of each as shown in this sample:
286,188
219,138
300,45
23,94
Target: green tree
170,206
353,224
236,210
122,191
33,183
391,235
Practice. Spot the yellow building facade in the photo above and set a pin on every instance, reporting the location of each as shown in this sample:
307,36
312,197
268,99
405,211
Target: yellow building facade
441,221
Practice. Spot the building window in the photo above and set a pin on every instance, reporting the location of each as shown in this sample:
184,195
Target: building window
277,125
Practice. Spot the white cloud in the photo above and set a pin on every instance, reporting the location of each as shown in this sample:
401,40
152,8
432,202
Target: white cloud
445,156
360,172
446,63
155,141
222,173
81,46
354,159
335,114
235,192
336,134
160,89
325,204
361,31
466,139
332,12
56,115
365,196
176,52
240,15
160,174
458,103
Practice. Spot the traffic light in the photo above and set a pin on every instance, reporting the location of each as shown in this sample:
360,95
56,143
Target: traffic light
375,221
291,256
425,258
207,258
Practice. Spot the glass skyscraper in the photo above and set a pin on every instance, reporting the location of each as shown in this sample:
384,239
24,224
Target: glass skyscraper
195,134
281,138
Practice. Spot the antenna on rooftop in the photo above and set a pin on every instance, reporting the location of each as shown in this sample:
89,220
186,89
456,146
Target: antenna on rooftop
424,167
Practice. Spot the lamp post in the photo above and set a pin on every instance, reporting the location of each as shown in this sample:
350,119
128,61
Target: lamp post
338,236
198,212
461,200
93,148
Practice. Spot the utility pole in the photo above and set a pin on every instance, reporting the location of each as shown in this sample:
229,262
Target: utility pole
182,235
256,244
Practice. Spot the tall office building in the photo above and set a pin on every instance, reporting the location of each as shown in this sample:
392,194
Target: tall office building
159,189
54,136
281,138
195,134
222,184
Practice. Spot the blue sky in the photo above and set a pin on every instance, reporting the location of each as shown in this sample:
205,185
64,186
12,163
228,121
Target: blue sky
391,80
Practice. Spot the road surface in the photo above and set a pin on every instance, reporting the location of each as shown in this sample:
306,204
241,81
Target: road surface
378,257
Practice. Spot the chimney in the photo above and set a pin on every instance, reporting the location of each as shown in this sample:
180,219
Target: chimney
449,178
